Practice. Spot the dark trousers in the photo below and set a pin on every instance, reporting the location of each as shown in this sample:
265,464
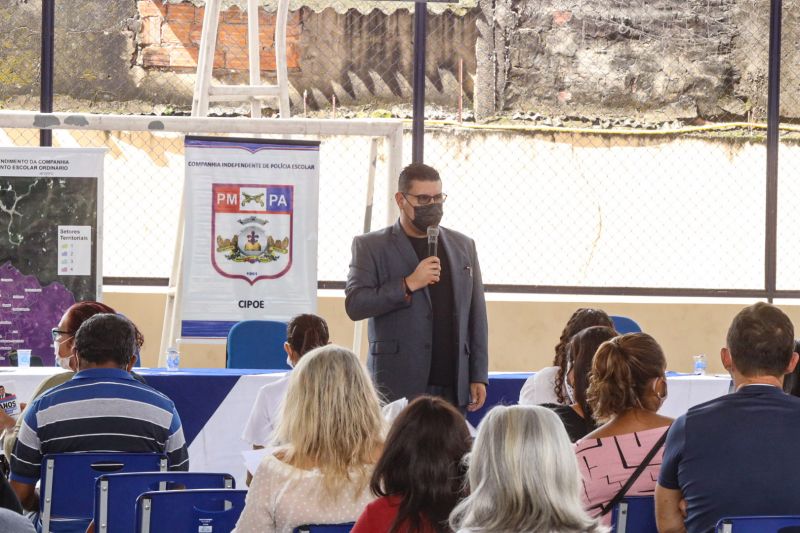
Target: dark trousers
447,393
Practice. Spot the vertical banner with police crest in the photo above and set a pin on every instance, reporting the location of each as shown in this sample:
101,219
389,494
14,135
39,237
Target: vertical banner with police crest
250,239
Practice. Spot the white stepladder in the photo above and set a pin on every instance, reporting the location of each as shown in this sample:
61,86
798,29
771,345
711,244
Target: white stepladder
255,92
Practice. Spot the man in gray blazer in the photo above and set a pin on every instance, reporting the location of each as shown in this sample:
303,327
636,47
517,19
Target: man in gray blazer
427,315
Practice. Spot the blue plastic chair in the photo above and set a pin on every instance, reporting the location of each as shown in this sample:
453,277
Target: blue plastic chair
757,524
257,344
325,528
625,325
68,480
115,494
189,511
634,514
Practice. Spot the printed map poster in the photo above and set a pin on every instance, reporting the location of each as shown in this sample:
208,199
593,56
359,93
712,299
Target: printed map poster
50,228
250,238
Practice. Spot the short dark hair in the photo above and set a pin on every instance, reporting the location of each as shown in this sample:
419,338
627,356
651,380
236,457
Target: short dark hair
104,338
761,340
416,171
422,464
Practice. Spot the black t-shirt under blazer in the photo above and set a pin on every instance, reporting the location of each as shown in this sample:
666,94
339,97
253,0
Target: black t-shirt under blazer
443,352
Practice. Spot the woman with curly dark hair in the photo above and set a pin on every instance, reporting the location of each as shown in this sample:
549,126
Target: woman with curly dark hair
578,418
548,385
419,477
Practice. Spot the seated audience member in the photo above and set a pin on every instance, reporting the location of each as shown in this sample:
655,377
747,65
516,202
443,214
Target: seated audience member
732,456
548,385
11,522
8,498
101,408
330,432
523,477
791,382
63,345
578,418
419,476
304,333
626,389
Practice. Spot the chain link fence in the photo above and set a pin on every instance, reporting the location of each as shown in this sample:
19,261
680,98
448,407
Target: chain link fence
582,144
788,253
143,183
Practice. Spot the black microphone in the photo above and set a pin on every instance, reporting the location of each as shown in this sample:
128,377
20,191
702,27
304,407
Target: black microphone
433,240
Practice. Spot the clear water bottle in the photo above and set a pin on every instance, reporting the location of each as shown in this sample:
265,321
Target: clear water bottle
23,358
700,364
173,358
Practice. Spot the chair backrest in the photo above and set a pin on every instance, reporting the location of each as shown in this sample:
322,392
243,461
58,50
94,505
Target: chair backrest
115,494
759,524
189,511
257,344
68,480
634,514
325,528
625,325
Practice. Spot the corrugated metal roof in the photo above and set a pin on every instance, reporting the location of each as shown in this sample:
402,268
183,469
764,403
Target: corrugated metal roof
340,7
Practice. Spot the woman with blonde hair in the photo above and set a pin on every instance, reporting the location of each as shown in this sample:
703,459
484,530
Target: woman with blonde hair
523,477
303,333
626,389
331,425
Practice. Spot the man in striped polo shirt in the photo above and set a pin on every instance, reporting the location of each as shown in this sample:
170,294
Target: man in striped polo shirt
101,409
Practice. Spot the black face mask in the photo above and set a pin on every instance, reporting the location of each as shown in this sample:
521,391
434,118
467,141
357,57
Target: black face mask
427,215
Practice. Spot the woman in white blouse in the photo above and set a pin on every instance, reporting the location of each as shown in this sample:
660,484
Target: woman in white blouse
332,429
303,334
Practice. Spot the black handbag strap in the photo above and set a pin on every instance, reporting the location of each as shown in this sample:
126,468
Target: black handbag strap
636,473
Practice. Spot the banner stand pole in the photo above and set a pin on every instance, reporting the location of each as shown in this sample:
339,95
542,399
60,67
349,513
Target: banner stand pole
170,325
358,333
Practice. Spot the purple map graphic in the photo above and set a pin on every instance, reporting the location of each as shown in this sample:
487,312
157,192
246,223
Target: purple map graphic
27,313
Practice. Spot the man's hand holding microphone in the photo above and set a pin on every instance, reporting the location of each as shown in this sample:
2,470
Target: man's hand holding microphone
428,272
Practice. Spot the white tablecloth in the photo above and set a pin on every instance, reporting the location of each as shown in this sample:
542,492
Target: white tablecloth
218,446
684,392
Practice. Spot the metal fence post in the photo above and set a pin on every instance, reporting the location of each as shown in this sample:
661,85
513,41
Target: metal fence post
773,140
418,125
46,89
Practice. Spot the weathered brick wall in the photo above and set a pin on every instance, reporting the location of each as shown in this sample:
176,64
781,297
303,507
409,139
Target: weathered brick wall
361,58
132,55
170,37
657,58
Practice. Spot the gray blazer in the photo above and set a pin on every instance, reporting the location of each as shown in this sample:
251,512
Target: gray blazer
400,331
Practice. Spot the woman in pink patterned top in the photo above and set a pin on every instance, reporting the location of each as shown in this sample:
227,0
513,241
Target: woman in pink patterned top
626,389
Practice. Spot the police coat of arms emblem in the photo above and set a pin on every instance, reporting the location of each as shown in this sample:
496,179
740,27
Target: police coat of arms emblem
252,230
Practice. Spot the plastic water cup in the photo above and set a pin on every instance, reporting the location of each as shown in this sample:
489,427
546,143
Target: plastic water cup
700,364
173,359
24,358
